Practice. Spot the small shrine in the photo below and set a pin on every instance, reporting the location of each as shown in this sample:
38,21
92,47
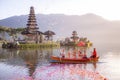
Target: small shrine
49,35
74,37
75,40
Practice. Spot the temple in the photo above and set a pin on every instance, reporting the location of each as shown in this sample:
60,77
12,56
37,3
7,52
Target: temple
74,37
31,33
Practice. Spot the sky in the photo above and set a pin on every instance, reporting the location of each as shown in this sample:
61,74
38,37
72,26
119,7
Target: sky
108,9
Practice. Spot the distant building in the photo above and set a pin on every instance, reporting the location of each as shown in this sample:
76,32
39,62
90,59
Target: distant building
74,37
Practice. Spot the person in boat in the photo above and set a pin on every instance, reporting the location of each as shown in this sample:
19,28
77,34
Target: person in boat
94,54
74,54
68,54
80,55
63,54
85,56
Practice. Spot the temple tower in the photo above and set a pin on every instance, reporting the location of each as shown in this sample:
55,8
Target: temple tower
74,36
31,31
32,24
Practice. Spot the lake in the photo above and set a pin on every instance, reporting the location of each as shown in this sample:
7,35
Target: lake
34,65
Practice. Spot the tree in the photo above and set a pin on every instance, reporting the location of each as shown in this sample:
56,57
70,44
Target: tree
3,30
14,31
10,31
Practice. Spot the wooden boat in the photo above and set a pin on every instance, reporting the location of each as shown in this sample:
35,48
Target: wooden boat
56,59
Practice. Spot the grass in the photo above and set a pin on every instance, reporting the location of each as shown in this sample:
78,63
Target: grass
40,45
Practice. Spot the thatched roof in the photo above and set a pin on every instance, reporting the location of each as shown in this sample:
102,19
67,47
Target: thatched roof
75,37
28,32
49,33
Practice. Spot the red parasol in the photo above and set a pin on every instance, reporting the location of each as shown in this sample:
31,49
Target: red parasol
81,43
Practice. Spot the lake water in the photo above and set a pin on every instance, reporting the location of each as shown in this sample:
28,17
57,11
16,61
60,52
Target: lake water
35,65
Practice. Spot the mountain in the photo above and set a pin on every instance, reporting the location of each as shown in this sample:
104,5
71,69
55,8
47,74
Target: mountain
56,22
88,25
52,19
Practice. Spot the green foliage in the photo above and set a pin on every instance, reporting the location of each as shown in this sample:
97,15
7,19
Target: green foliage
4,29
41,45
19,29
70,44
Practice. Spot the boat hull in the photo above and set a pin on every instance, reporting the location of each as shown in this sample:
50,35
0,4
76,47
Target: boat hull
56,59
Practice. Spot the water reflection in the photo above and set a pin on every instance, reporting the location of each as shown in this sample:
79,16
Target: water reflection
10,72
29,59
34,65
66,72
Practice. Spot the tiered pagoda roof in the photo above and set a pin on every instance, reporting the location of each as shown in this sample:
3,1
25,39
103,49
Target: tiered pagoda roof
32,20
31,24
